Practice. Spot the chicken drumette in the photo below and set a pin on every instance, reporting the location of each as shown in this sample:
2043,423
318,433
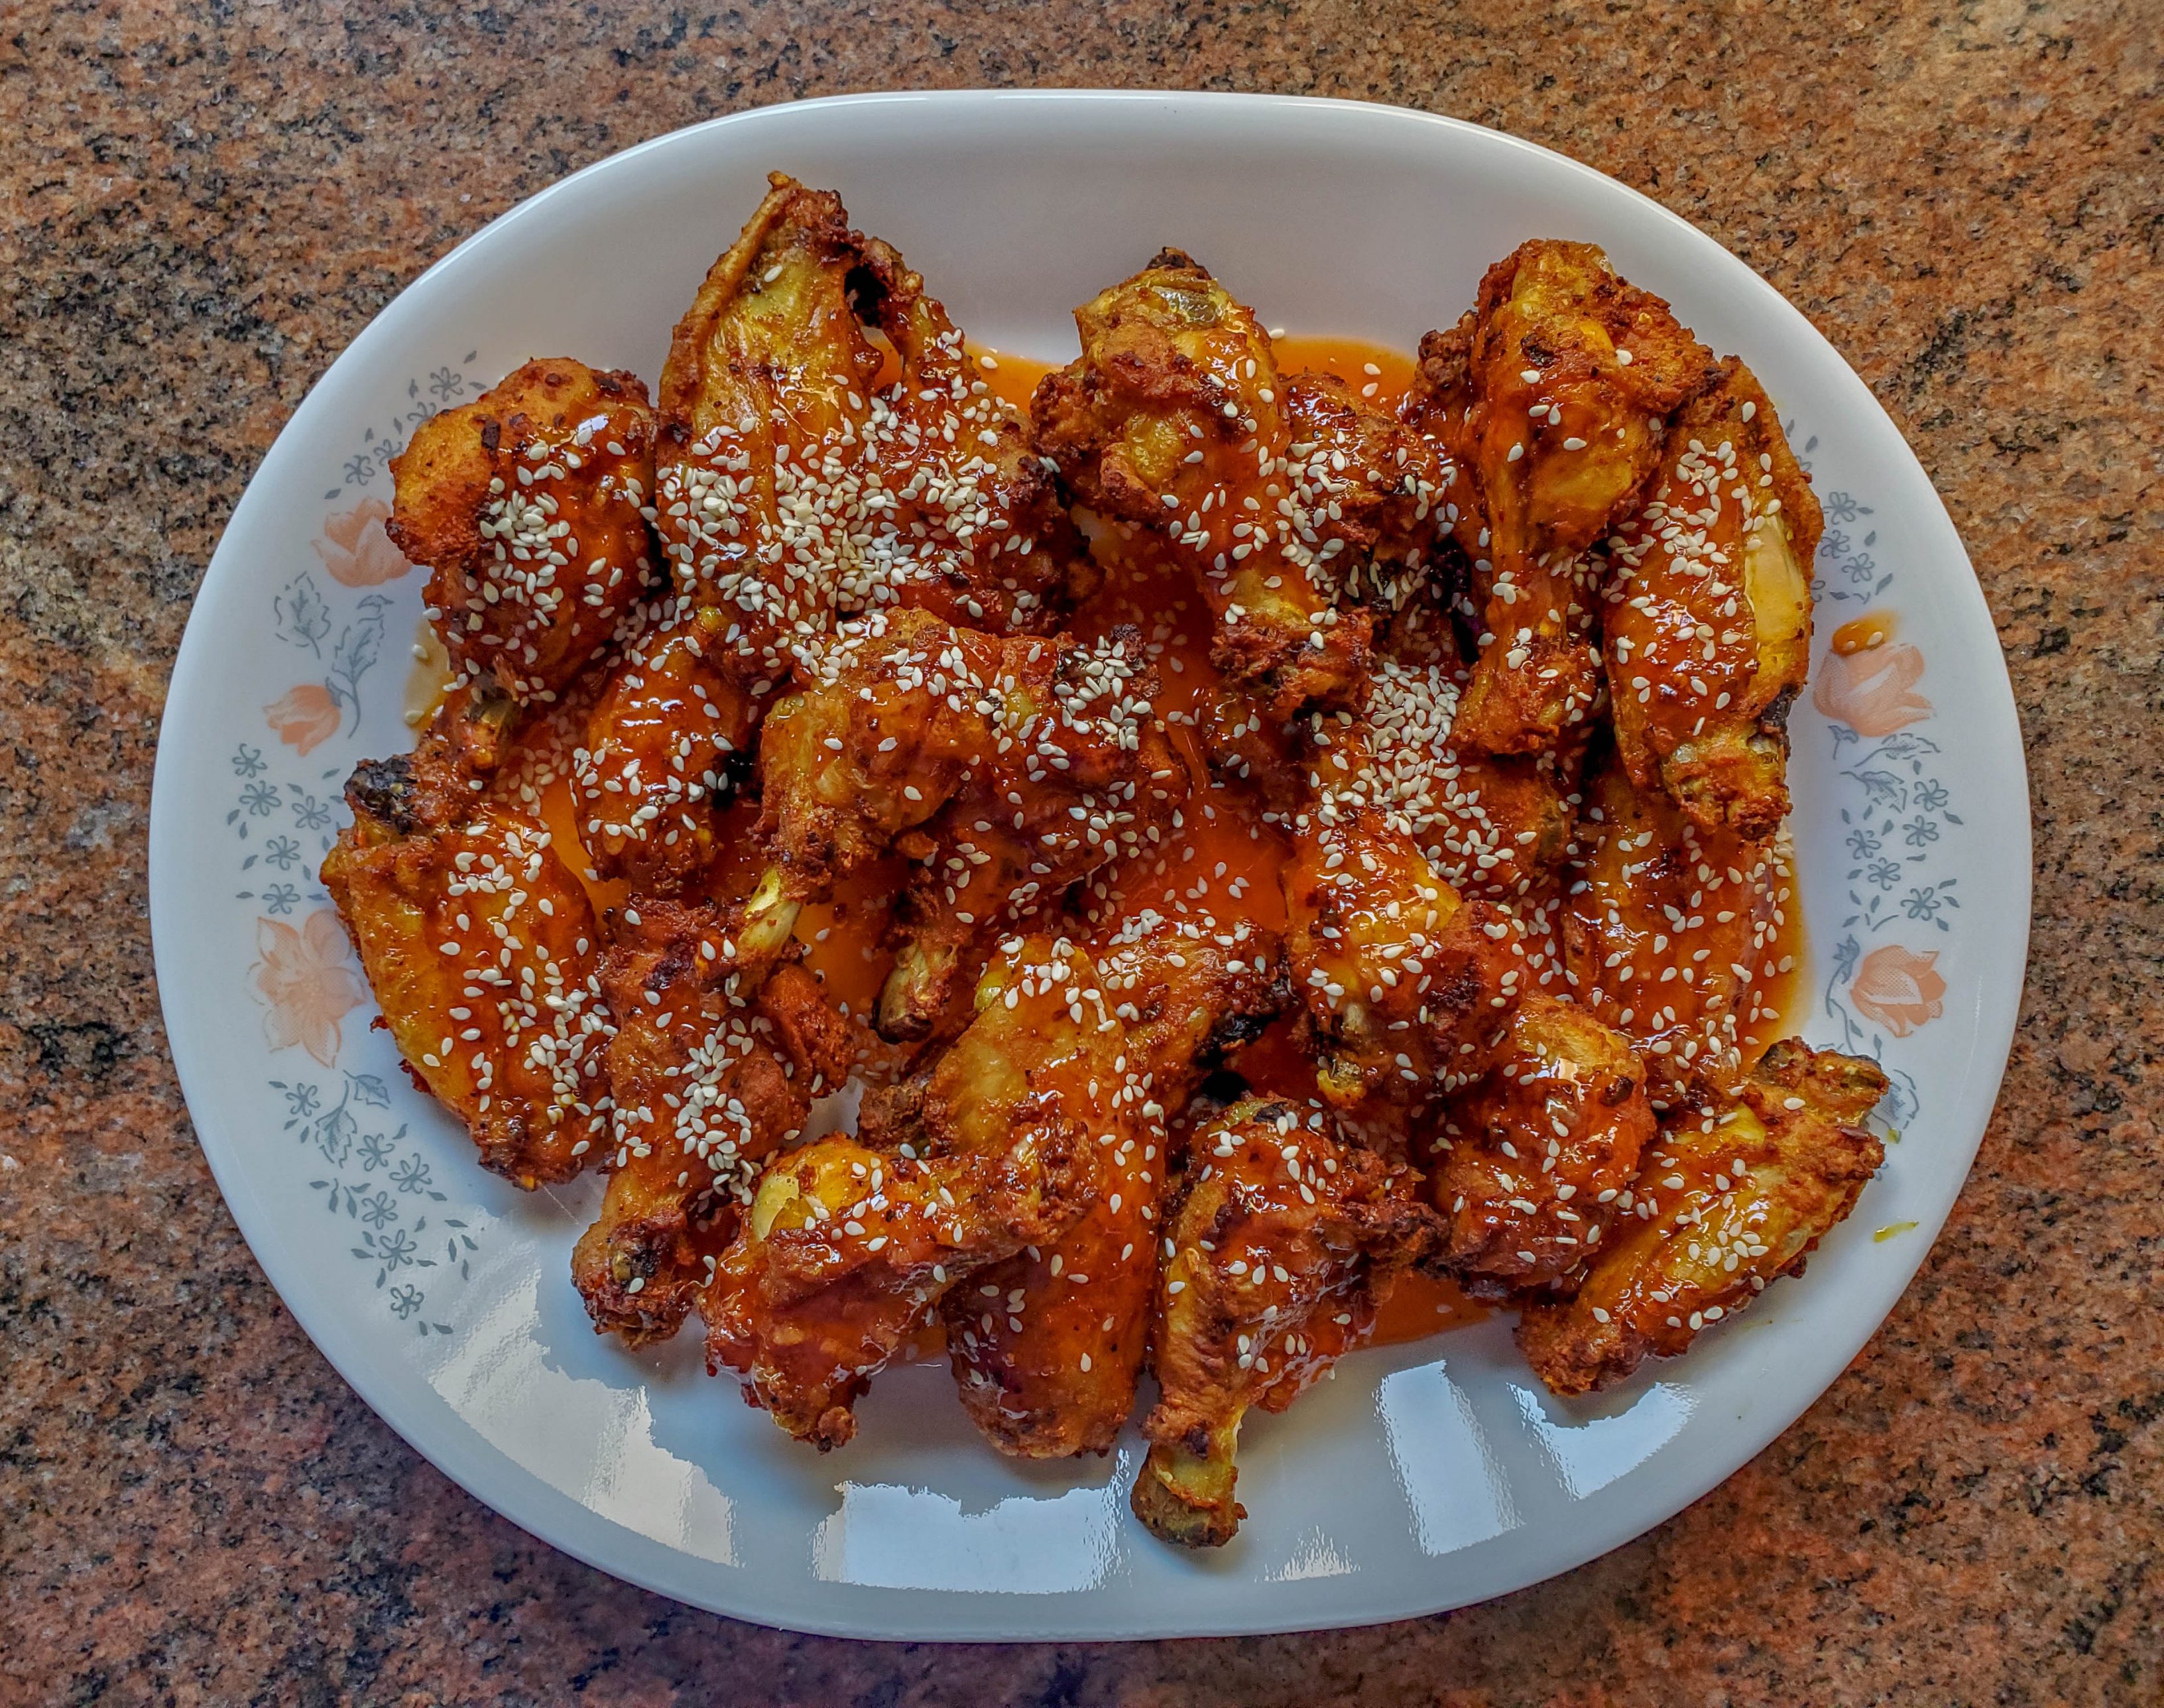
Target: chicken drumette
1550,395
528,505
1285,495
1286,1243
1530,1163
1727,1200
714,1066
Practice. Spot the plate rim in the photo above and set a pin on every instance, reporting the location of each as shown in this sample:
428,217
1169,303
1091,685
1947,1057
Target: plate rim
858,1610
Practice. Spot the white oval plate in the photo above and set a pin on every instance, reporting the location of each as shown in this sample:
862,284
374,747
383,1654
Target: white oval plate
1427,1476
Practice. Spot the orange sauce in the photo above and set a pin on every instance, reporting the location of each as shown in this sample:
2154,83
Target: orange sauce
1379,376
1420,1305
1874,628
1218,860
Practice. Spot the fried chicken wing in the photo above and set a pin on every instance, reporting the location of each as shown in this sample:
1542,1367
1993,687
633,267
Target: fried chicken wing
1559,385
851,1244
795,493
482,951
1408,985
528,506
1726,1202
1496,828
1671,933
1010,770
1708,621
713,1067
667,741
1277,493
1531,1161
1046,1347
1285,1244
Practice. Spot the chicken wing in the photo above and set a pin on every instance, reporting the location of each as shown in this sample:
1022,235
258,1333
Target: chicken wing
529,506
1708,621
1009,769
1671,934
1277,493
1559,384
713,1067
795,493
1496,828
1046,1347
1726,1202
851,1243
1532,1161
1285,1244
667,741
482,948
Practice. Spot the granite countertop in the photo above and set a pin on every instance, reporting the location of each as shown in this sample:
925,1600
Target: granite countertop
203,203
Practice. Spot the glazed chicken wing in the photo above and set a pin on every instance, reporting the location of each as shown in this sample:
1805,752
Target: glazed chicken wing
1708,621
1407,985
482,948
1009,769
1531,1161
1671,934
667,740
1046,1347
1558,387
1276,492
1726,1202
851,1244
795,493
713,1067
1496,828
1285,1244
528,505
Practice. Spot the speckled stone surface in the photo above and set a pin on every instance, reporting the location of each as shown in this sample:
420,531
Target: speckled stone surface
199,205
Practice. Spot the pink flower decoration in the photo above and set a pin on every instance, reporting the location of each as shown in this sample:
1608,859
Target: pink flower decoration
305,717
1871,691
305,978
356,549
1898,988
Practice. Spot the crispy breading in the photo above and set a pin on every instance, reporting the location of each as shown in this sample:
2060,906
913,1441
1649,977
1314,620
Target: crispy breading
1285,1243
1046,1347
1707,624
851,1244
1726,1201
1274,490
1670,933
482,951
527,505
714,1066
1557,386
1531,1161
